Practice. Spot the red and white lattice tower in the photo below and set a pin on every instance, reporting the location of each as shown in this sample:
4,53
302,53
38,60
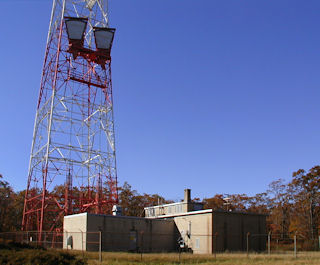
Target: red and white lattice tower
73,145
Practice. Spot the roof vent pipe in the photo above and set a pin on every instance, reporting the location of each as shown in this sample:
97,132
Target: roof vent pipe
187,195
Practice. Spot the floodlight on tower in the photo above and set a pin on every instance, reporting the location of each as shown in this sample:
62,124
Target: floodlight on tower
76,28
104,39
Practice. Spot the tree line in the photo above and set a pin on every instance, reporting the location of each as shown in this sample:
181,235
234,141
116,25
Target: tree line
291,207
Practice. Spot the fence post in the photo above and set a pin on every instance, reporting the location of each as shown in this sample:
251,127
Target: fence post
215,244
248,234
44,242
66,240
141,245
269,239
295,245
100,242
82,243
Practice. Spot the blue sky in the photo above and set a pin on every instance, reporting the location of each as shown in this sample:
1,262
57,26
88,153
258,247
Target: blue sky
216,96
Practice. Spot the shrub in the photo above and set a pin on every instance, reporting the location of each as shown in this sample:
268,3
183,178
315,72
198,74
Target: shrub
37,256
19,246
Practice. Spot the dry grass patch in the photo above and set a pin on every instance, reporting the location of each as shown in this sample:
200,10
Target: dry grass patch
306,258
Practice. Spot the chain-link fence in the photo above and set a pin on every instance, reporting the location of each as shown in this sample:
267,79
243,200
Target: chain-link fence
277,243
280,244
81,241
143,242
45,239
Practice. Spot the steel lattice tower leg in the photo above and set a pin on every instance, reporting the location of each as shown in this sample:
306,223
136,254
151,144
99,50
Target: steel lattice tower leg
72,166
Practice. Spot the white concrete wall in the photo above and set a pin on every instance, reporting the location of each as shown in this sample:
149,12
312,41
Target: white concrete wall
199,229
75,226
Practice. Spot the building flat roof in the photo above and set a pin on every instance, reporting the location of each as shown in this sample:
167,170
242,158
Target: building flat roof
75,215
171,204
165,216
239,212
181,214
106,215
202,212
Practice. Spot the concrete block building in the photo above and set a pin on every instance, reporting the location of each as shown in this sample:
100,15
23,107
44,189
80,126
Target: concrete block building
119,233
166,226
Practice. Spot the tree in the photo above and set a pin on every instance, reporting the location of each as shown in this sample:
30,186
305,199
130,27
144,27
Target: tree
133,203
305,188
239,202
215,203
7,209
259,203
279,218
17,209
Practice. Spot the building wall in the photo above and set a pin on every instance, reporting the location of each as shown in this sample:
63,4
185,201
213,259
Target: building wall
196,230
231,230
75,226
123,233
174,208
120,233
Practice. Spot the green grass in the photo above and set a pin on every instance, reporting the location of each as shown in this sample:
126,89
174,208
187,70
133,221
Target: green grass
307,258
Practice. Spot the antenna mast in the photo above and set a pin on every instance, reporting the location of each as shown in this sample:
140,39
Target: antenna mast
72,166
